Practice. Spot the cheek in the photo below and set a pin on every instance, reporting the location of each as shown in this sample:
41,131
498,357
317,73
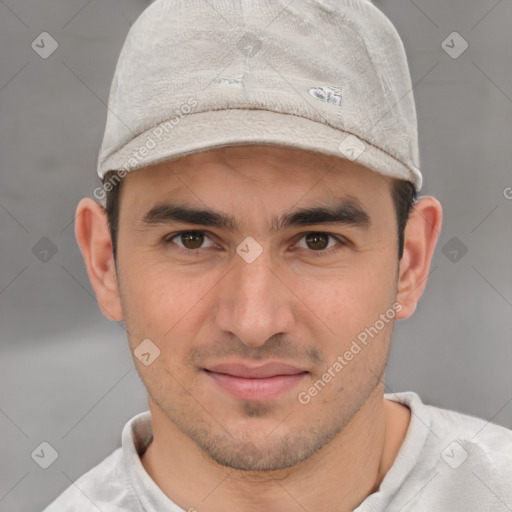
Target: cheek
348,300
163,303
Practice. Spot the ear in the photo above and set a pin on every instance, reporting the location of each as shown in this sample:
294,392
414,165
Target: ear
420,238
93,237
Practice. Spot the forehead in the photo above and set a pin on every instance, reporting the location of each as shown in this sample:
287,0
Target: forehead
264,164
260,177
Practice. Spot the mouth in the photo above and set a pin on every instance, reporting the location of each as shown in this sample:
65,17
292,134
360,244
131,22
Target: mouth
257,383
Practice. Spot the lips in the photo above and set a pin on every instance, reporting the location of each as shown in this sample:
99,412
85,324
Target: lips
264,382
256,372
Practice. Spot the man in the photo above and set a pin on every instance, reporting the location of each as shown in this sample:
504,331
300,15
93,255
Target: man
261,235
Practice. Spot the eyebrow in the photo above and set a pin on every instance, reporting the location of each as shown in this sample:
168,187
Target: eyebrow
348,211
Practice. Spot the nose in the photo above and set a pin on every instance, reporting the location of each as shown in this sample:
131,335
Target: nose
253,302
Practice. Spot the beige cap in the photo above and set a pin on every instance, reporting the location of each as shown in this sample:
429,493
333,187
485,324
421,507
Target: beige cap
321,75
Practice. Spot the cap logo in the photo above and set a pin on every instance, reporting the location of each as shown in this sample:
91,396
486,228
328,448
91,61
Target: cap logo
237,80
327,94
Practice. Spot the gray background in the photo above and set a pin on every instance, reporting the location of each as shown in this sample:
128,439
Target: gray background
67,375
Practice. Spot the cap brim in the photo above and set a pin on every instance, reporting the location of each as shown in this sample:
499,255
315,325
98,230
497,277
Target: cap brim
196,132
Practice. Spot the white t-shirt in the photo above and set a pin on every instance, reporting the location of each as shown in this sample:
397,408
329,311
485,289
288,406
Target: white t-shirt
448,462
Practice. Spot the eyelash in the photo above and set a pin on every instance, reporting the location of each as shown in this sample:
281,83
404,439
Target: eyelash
323,252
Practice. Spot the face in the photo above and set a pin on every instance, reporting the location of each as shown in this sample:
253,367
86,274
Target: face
273,329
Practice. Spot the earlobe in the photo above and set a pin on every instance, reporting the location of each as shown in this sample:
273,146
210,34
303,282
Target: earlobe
420,239
93,237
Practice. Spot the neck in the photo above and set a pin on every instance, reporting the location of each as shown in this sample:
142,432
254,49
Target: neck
336,478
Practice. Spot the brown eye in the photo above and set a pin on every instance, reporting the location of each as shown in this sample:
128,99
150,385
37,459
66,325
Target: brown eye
192,239
190,242
317,241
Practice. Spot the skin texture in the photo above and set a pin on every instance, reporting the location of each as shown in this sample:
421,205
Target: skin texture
293,304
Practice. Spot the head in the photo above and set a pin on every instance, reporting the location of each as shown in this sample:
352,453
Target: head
303,296
260,253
